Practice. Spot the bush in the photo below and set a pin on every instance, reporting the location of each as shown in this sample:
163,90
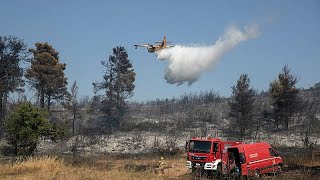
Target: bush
24,126
60,131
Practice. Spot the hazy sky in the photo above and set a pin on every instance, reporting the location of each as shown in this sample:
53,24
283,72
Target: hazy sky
84,32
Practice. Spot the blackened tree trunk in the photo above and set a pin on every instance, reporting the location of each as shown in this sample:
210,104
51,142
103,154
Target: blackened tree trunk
49,102
74,122
42,104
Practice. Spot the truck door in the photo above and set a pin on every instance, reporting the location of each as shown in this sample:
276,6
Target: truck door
216,150
273,156
243,162
236,162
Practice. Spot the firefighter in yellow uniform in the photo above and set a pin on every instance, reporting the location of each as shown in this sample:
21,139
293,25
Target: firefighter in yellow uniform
161,166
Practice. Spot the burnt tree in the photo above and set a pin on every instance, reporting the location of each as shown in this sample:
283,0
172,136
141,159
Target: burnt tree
118,85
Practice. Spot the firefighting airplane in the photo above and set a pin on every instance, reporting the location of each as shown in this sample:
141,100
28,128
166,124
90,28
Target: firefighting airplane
152,48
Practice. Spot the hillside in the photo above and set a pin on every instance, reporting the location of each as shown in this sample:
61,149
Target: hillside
167,124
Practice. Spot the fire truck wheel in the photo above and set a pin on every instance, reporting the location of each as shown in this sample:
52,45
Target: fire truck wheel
279,170
243,178
219,173
193,169
256,174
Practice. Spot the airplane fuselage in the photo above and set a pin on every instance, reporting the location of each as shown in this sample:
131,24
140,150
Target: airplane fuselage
151,50
156,48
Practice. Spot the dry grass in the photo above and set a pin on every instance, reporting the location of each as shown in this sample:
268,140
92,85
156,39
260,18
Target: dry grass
298,166
301,161
301,165
50,167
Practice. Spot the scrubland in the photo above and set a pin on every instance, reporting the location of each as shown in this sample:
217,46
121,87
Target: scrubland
297,166
54,167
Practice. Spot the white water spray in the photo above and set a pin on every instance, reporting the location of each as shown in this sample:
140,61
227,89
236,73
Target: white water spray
186,64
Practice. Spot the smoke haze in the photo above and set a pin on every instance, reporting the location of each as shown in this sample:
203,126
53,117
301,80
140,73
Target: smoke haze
187,63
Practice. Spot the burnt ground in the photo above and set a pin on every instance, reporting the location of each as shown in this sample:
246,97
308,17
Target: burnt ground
289,173
297,174
300,173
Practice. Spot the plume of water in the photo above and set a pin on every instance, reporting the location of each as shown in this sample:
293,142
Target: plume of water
187,63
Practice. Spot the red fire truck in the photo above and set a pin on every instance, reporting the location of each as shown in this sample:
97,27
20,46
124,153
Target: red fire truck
253,160
208,154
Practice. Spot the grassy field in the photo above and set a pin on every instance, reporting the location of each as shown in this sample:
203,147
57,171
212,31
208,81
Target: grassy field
122,167
52,167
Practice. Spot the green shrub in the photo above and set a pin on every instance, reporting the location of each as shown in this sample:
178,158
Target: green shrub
60,131
24,127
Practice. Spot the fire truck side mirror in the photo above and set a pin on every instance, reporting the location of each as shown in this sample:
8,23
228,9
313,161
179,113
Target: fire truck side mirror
186,147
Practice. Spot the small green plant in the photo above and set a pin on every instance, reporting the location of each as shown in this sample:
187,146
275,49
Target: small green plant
24,126
60,131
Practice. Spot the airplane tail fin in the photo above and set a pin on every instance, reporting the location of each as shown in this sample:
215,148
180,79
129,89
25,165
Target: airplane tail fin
164,41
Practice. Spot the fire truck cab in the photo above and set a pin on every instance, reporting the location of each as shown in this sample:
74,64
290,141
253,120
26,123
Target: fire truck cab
209,154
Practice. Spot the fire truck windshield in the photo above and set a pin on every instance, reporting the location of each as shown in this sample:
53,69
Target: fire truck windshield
200,146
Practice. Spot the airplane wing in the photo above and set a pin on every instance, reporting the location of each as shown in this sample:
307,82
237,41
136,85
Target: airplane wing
162,42
142,45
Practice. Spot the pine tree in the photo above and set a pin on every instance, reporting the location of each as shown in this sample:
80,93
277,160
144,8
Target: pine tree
284,97
117,83
46,74
12,53
242,111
